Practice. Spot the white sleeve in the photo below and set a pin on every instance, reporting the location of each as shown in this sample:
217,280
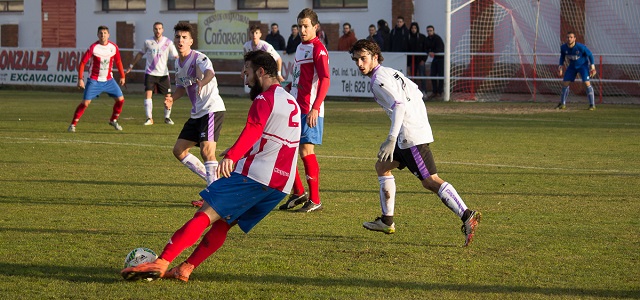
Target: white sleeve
273,52
204,63
385,91
173,52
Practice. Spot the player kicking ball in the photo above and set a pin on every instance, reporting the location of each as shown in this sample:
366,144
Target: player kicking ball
407,145
255,175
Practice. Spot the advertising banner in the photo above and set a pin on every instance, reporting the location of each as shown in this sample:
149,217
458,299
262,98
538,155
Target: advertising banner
53,67
222,31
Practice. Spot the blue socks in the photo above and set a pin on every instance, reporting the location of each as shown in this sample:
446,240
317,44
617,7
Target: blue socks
591,96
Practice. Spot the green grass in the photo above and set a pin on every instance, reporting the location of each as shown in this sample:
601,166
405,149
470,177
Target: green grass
559,192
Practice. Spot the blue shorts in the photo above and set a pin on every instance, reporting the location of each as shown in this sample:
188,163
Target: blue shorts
570,74
240,198
94,88
310,135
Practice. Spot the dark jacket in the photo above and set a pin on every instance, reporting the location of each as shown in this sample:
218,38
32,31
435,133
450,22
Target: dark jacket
399,38
434,44
292,44
276,40
416,43
378,39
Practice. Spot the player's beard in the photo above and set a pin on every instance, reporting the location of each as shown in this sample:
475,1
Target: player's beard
256,89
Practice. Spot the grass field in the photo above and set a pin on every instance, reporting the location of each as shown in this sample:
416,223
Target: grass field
559,192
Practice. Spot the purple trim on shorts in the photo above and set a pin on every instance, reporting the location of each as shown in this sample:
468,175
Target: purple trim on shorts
424,172
212,126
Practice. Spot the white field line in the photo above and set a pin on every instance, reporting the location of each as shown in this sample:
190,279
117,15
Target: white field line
16,140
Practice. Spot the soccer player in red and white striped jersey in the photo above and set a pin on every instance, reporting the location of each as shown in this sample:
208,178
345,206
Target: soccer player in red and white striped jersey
103,55
255,174
310,86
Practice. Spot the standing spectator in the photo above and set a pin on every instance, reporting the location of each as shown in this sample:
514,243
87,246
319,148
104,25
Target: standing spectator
310,86
435,45
383,32
276,39
407,145
322,36
347,39
196,79
156,73
580,62
399,36
417,43
103,54
257,44
373,36
254,176
294,40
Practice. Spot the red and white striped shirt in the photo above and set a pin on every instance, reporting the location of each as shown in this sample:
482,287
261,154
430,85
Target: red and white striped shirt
102,59
267,149
310,82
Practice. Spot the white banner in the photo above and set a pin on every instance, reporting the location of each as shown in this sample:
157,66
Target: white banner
53,67
346,79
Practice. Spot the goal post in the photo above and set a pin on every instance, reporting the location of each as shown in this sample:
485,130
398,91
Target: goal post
509,49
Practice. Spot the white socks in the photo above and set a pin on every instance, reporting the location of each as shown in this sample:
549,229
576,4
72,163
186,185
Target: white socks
194,164
451,199
387,194
211,167
148,108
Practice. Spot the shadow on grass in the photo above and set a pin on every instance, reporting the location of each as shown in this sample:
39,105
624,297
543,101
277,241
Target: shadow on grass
105,275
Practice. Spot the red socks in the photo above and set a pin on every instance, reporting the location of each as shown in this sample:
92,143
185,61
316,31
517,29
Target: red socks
79,111
186,236
117,109
312,169
298,187
211,242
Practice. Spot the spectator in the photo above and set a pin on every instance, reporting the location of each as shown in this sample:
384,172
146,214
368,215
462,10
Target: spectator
275,38
373,36
399,36
347,39
322,36
435,45
417,43
383,32
294,39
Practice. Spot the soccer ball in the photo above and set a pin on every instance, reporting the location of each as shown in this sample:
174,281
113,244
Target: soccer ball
138,256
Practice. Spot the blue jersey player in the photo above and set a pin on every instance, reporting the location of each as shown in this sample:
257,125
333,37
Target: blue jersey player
580,62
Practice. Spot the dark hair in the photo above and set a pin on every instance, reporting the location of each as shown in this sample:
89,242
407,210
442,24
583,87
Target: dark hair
401,18
158,23
264,60
184,26
367,45
254,28
294,26
347,24
276,24
431,26
374,26
103,27
309,13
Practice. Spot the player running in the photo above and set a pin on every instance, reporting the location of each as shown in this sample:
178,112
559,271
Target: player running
196,79
407,145
580,62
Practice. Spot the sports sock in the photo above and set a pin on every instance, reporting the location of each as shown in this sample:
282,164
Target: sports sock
591,96
298,187
451,199
117,109
78,113
565,95
167,113
148,108
211,167
312,169
195,165
186,236
387,220
387,194
211,242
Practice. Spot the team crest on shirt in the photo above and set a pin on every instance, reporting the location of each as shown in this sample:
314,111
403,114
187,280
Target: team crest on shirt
306,54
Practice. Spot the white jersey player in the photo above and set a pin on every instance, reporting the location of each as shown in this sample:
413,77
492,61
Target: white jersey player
257,44
196,79
407,144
